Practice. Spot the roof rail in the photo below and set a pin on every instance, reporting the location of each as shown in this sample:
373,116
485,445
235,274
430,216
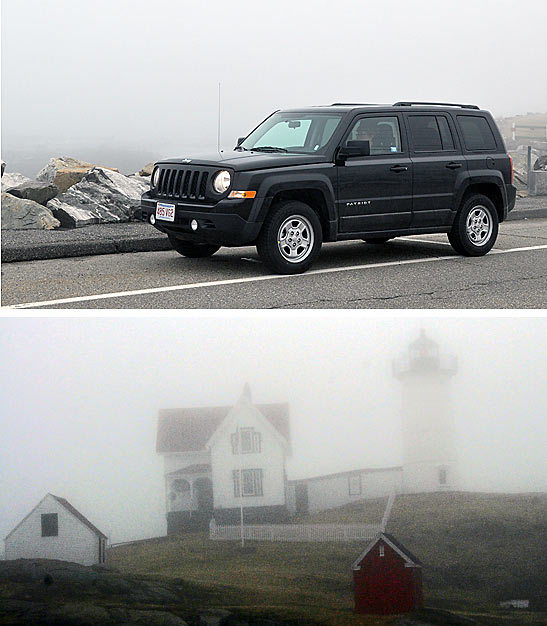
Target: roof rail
352,104
437,104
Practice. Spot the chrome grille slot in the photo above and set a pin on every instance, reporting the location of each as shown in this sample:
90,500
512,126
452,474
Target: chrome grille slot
182,183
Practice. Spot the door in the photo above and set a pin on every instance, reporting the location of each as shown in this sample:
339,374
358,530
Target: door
438,163
301,498
375,192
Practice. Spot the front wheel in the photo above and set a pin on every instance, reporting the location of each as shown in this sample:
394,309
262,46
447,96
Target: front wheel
475,227
193,250
291,238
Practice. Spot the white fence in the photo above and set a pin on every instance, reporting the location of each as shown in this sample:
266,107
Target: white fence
296,532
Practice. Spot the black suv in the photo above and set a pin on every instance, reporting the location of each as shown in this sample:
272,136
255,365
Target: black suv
346,171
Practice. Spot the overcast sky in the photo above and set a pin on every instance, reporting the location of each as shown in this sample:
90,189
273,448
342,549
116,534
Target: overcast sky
80,397
145,74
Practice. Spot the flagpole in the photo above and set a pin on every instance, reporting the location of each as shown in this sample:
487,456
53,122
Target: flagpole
240,448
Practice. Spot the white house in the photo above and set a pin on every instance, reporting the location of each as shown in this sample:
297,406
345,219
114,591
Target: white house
209,451
217,458
54,529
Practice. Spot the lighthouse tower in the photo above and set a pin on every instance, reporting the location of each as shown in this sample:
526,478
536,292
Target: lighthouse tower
429,460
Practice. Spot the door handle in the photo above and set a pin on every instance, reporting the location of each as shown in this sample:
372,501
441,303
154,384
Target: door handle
453,166
398,168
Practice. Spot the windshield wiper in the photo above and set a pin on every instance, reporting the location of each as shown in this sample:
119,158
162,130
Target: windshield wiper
268,149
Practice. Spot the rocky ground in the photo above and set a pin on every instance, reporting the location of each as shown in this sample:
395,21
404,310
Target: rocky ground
70,193
43,592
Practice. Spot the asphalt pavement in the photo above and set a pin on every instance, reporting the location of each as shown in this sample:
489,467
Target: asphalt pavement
34,245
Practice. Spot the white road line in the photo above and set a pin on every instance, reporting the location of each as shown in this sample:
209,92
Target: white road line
236,281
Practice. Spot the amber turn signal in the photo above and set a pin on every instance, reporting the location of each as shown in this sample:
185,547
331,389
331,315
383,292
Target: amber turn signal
242,194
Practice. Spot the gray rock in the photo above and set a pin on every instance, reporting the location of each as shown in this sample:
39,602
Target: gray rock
541,163
146,170
156,618
66,171
102,196
213,617
35,190
82,614
20,214
13,179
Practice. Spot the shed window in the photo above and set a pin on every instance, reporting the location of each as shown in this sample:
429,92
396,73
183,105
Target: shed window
381,550
50,525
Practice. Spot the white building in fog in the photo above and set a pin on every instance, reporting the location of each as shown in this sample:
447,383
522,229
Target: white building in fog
54,529
217,458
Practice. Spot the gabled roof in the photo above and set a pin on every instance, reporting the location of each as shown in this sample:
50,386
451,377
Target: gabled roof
69,508
78,515
186,430
409,558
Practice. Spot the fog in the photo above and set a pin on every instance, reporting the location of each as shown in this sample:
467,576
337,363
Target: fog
130,81
80,397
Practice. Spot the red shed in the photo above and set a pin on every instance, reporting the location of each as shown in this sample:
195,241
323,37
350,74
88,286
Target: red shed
387,578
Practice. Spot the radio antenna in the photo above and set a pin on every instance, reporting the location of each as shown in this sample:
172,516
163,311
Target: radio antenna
218,134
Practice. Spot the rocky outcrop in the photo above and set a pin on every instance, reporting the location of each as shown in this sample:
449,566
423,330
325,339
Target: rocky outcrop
102,196
66,171
20,214
147,169
13,179
36,191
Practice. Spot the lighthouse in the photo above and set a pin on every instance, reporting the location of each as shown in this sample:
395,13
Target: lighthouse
429,459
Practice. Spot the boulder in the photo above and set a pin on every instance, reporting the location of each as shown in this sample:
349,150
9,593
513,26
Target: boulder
146,170
102,196
35,190
13,179
20,214
66,171
541,163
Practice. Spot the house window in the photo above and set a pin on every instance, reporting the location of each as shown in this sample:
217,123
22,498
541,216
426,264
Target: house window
181,486
381,550
251,480
250,441
50,525
354,485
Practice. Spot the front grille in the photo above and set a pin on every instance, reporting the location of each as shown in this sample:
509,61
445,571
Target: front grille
182,184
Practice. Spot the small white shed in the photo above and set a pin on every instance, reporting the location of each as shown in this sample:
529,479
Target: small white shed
54,529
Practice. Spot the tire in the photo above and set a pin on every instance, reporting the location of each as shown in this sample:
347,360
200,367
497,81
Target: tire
377,240
475,227
291,238
193,250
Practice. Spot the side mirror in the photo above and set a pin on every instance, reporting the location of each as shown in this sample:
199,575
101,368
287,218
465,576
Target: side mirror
354,149
240,140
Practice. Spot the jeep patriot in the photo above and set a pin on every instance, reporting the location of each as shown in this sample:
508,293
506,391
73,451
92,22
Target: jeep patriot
332,173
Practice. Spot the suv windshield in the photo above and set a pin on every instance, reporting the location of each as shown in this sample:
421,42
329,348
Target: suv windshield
305,133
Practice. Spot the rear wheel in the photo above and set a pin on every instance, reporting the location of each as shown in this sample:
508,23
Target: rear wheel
193,250
291,238
475,227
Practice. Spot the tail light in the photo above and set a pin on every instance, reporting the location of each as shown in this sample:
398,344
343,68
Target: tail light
511,159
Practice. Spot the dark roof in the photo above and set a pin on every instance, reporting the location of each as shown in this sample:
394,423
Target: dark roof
365,470
77,514
403,549
423,341
185,430
197,468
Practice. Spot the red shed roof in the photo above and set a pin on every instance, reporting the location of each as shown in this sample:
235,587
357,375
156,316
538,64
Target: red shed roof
185,430
410,559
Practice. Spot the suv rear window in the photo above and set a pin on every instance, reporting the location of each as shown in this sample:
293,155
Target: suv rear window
477,134
430,133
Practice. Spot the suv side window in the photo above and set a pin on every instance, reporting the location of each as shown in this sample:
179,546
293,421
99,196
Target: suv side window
383,133
430,133
477,134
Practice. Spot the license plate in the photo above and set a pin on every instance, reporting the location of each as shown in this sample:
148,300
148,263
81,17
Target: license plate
165,212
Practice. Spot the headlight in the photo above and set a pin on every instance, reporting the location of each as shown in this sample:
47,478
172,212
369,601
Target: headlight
221,182
155,177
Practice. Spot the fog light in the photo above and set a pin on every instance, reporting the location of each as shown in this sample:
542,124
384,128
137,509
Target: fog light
194,224
152,219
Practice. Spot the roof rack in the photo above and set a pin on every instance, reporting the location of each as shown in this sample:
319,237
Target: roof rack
437,104
352,104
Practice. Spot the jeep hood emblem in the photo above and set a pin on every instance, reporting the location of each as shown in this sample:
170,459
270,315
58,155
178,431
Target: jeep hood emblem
186,160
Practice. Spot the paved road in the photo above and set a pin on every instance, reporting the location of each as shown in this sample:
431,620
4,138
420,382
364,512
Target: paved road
417,272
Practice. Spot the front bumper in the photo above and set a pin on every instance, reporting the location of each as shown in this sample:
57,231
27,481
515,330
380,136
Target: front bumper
224,224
